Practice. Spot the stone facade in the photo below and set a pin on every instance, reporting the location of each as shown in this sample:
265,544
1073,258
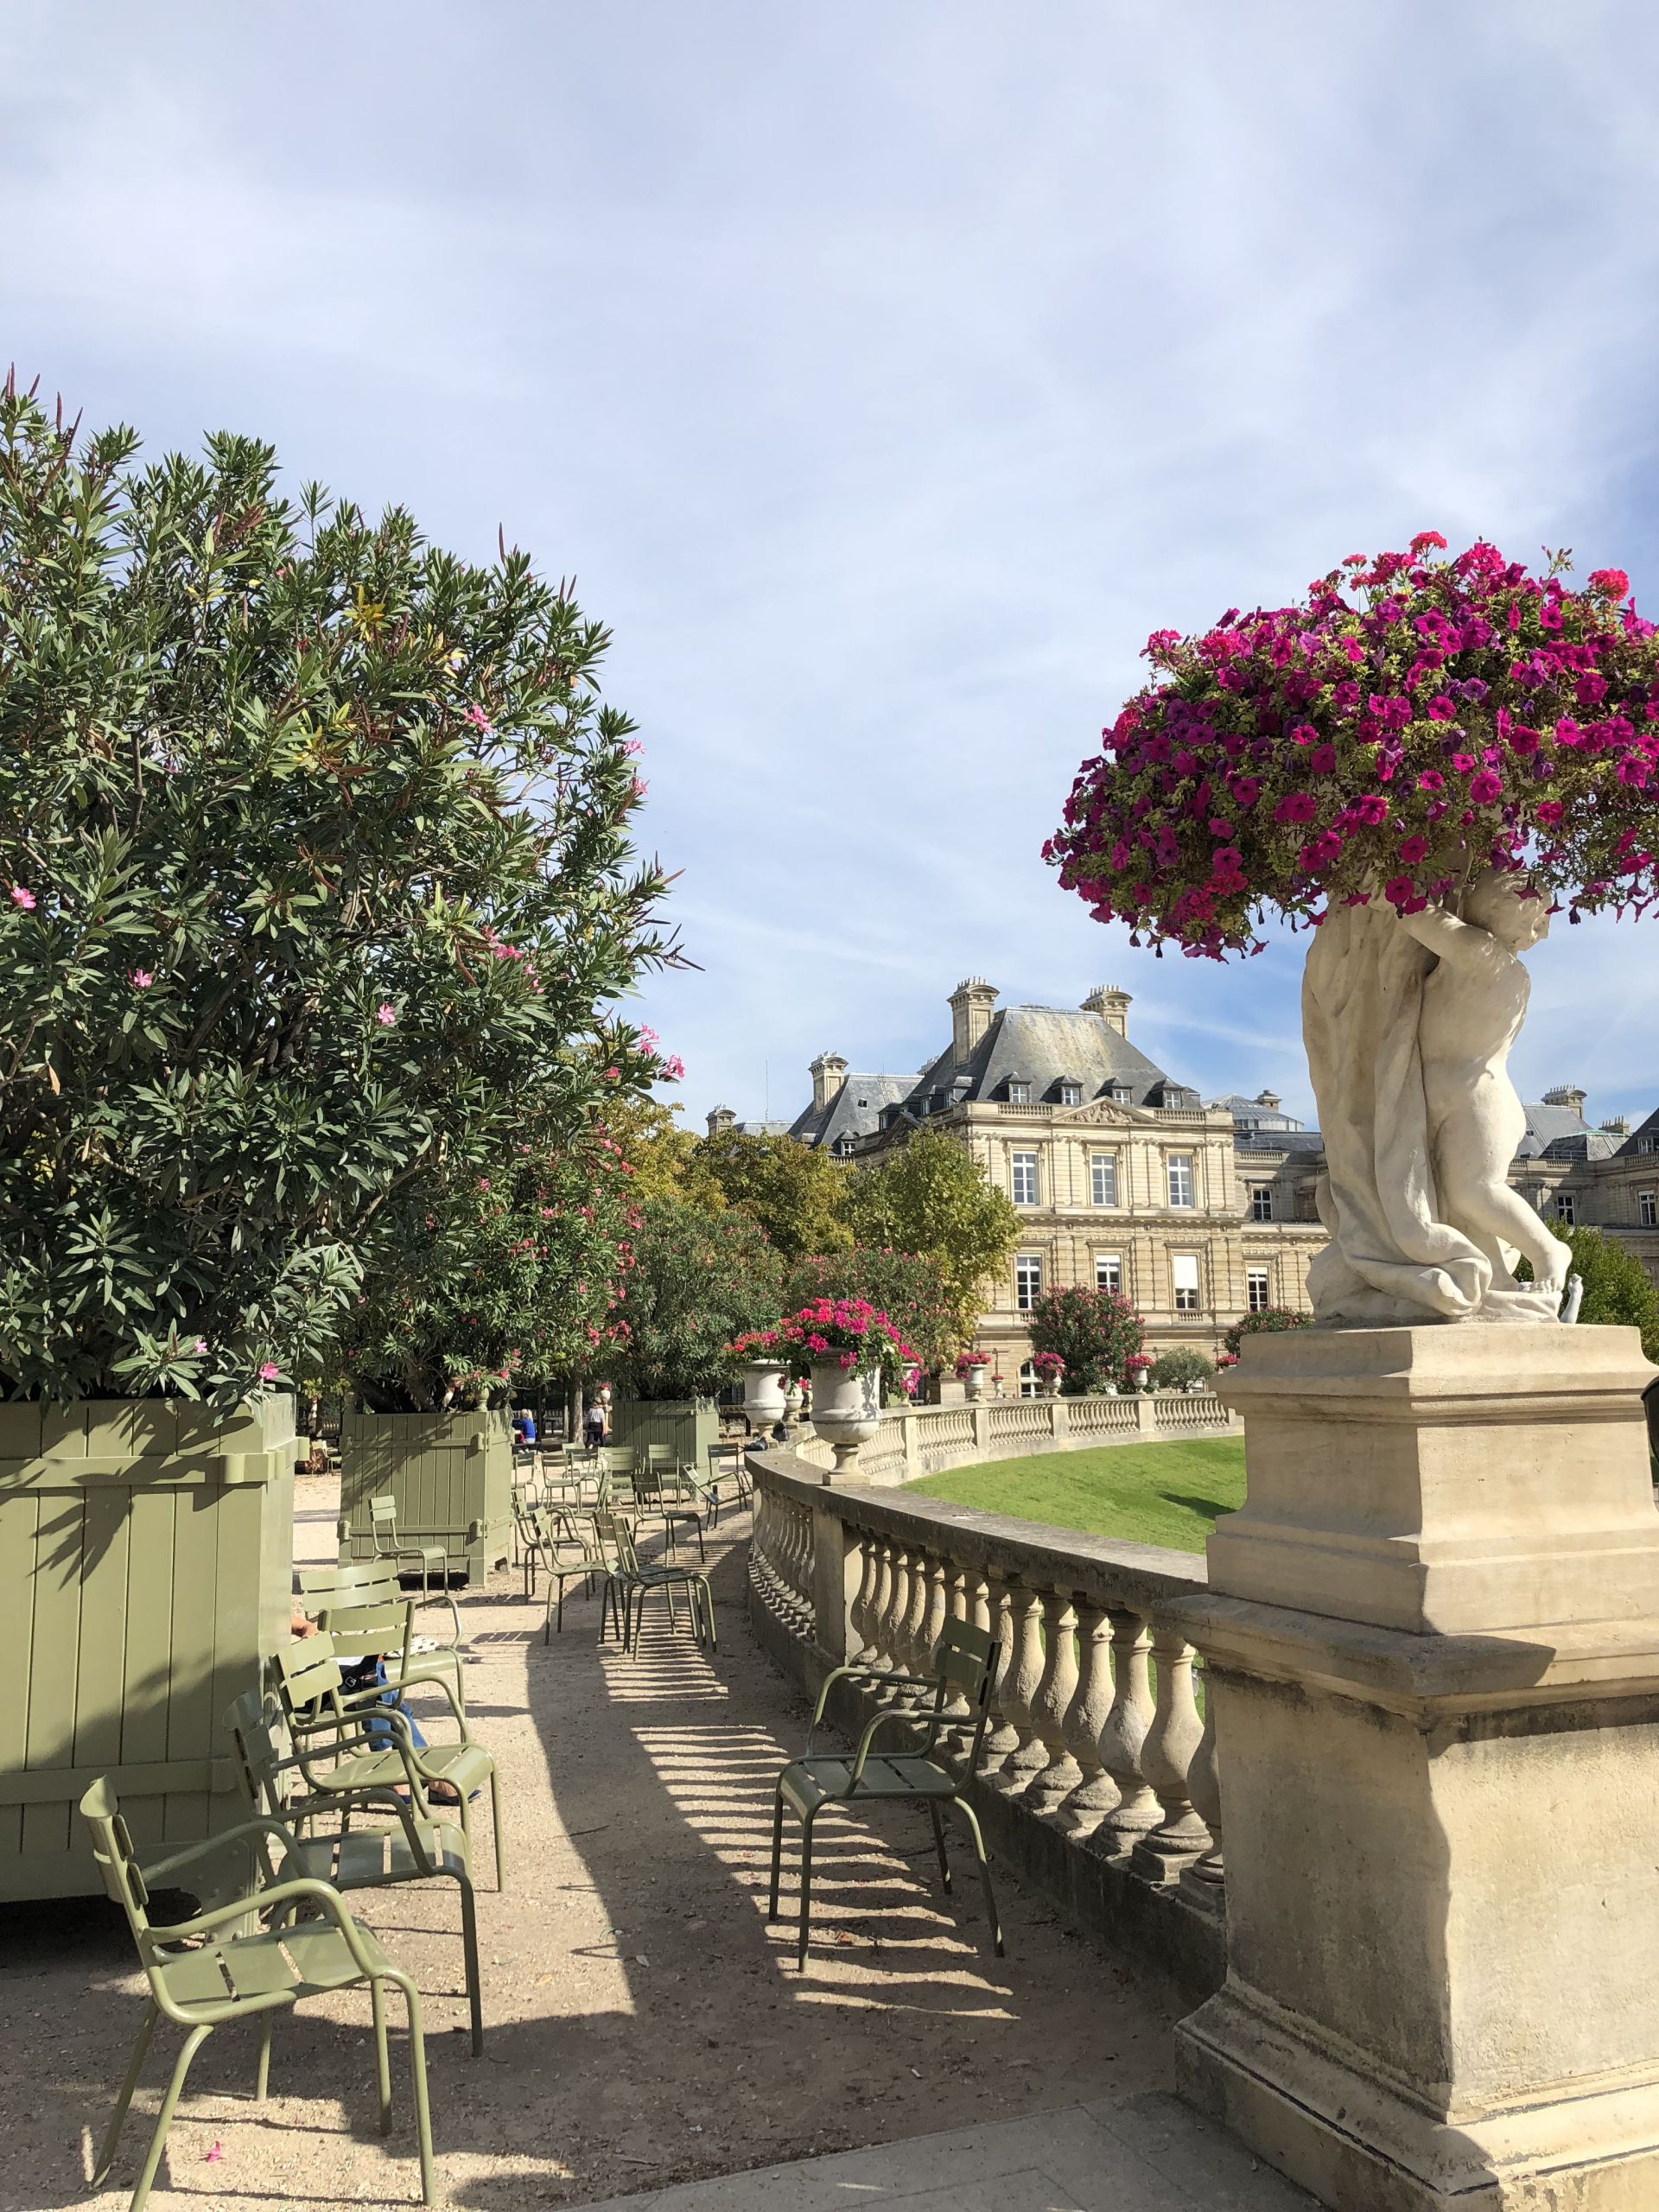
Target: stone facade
1122,1176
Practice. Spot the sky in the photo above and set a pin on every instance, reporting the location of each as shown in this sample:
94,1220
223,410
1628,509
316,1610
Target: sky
884,373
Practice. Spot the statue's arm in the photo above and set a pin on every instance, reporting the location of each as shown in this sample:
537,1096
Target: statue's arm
1444,934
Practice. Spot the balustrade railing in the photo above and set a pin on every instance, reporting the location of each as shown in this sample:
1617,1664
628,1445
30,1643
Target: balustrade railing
1095,1728
916,1440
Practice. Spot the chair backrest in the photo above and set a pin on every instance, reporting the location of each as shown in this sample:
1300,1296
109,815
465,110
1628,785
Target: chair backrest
661,1456
116,1862
262,1746
359,1582
617,1458
382,1519
964,1658
615,1542
646,1483
308,1679
370,1629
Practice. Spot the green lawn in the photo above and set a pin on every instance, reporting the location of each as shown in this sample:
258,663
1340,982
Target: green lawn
1167,1494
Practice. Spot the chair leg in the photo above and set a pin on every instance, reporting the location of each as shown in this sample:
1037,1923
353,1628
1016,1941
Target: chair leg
777,1850
117,2118
469,1954
418,2067
192,2044
806,1889
969,1814
939,1846
261,2075
495,1822
382,2058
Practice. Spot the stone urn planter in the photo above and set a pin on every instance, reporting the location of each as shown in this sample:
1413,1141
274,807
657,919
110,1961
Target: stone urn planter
846,1409
1050,1386
973,1382
766,1401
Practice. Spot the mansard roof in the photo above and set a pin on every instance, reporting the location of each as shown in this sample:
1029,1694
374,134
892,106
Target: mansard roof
1041,1046
854,1111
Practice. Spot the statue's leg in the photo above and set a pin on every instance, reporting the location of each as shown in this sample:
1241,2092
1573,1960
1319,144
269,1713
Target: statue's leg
1496,1216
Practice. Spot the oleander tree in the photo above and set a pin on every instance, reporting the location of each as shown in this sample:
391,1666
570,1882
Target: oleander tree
317,892
1267,1321
1410,723
697,1282
1096,1332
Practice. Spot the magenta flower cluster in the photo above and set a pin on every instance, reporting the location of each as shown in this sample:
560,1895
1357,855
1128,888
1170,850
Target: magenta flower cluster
858,1336
1413,720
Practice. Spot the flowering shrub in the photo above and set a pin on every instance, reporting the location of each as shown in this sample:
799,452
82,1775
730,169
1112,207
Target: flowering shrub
1178,1366
1411,722
1268,1322
1094,1332
968,1362
850,1331
909,1288
697,1280
316,892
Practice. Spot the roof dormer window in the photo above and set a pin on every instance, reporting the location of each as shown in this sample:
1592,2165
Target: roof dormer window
1070,1093
1019,1090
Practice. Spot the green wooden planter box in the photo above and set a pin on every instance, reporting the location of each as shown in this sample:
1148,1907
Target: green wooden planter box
146,1567
687,1426
451,1475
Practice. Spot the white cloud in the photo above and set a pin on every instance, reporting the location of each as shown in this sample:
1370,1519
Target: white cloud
885,376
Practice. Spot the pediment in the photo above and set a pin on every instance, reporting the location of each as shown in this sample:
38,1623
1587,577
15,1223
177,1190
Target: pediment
1100,1114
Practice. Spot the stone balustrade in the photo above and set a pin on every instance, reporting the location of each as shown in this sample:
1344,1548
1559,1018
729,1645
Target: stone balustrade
1097,1778
917,1441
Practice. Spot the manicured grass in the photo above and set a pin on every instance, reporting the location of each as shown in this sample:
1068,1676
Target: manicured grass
1167,1494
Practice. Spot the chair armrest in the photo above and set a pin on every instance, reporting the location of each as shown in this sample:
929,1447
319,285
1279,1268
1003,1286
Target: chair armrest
304,1886
866,1740
210,1847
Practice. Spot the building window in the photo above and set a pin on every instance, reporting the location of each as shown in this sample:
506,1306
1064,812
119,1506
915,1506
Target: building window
1184,1277
1103,1178
1647,1208
1108,1271
1567,1209
1027,1282
1180,1178
1070,1094
1029,1385
1121,1095
1023,1177
1018,1093
1258,1295
1647,1144
1261,1202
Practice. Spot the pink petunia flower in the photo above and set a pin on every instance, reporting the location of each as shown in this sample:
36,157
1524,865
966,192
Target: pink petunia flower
1485,787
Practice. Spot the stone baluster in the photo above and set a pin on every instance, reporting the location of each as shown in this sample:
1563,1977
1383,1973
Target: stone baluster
1096,1794
1025,1678
915,1622
1001,1737
858,1613
1205,1878
1166,1759
898,1614
1060,1775
957,1731
938,1611
874,1653
1136,1810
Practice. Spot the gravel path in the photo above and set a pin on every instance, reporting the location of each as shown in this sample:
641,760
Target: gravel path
643,2023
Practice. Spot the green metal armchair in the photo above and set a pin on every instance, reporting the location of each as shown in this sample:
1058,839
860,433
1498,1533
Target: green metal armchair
424,1560
201,1978
965,1659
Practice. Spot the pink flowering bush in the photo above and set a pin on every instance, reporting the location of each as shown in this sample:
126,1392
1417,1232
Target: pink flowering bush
1048,1365
1412,721
858,1336
967,1362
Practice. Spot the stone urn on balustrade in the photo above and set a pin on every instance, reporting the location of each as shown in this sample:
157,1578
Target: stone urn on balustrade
766,1403
846,1409
973,1381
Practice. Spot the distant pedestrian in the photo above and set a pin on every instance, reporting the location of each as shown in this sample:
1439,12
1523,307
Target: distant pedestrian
524,1429
595,1426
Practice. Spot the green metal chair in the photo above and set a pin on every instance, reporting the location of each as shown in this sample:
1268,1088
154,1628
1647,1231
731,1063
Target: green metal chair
575,1557
412,1849
429,1559
628,1584
659,1493
202,1979
965,1659
334,1733
363,1608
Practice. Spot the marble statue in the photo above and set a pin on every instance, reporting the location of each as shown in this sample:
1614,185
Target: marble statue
1409,1021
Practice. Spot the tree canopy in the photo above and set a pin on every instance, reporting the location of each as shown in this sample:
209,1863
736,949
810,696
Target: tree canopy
930,1196
1617,1289
698,1282
315,884
1096,1332
796,1192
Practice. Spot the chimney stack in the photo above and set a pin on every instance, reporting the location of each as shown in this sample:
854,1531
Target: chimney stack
828,1073
1567,1095
972,1004
1111,1004
720,1118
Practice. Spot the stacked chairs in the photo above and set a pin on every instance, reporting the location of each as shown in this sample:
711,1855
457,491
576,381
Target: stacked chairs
414,1846
628,1583
363,1606
346,1741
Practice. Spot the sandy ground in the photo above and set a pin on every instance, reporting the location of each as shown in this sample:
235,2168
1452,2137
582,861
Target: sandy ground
643,2024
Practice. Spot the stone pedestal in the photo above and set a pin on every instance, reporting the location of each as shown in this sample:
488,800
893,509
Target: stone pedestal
1432,1648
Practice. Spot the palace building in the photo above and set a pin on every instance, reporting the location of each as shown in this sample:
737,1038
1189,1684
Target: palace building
1124,1177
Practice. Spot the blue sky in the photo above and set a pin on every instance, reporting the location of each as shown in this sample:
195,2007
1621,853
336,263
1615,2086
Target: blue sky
885,373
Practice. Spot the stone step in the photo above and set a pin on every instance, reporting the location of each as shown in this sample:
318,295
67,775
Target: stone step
1139,2154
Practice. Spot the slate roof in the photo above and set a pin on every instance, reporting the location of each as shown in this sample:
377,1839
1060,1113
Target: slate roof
1041,1046
1552,1126
1644,1137
854,1111
1250,1112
